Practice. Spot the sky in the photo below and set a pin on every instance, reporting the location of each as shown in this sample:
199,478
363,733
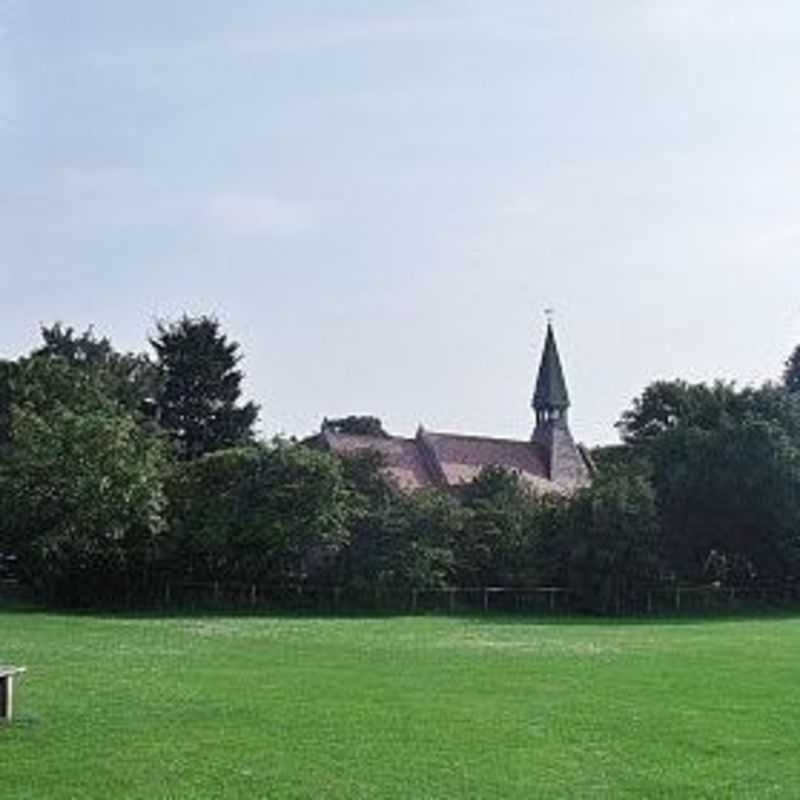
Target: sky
378,200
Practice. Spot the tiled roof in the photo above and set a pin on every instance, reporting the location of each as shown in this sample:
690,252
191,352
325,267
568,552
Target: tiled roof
446,458
401,457
461,458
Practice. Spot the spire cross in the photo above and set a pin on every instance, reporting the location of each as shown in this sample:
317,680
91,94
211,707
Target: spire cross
549,313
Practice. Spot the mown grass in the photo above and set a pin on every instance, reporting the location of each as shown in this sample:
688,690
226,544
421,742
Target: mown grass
409,707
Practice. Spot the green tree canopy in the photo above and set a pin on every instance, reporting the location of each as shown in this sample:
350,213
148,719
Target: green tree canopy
664,405
791,372
199,395
732,489
44,385
500,532
611,540
724,466
397,539
257,512
129,378
355,424
81,502
75,371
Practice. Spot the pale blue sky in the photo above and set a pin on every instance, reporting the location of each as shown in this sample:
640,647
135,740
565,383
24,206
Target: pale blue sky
379,199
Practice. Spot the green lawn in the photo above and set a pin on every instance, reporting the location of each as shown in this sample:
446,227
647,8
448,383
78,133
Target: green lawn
425,707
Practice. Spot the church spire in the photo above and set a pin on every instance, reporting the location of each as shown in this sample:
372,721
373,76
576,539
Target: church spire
550,398
565,462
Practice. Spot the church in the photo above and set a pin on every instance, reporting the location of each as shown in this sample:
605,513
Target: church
549,462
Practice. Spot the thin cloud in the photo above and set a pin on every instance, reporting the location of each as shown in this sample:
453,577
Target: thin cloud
249,214
704,19
78,199
388,29
707,19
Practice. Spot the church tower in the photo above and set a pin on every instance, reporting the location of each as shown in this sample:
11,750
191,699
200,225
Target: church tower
566,464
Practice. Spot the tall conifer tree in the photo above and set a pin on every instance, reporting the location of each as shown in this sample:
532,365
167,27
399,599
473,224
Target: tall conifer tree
791,373
200,389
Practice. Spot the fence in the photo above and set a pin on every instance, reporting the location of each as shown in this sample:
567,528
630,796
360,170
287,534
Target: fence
656,600
168,593
338,598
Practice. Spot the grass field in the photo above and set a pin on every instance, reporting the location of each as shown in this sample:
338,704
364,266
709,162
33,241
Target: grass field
425,707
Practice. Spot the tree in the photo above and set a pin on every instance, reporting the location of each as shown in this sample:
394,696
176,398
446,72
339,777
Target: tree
732,490
405,542
397,539
621,458
80,475
81,501
256,513
666,404
500,528
44,385
791,372
7,373
73,370
129,378
724,464
422,532
356,425
611,540
200,388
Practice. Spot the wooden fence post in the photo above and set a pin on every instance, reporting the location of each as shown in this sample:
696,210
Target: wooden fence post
485,599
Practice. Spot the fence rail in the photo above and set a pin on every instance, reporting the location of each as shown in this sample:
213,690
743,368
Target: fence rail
170,593
556,600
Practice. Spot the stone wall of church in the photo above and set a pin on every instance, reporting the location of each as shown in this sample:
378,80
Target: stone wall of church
567,465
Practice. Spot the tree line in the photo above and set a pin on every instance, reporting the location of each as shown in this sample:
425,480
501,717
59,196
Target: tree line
121,470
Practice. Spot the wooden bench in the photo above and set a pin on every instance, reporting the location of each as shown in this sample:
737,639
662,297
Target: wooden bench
8,678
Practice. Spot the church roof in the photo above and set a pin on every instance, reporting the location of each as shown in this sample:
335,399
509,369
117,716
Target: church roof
461,457
446,459
401,457
551,388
